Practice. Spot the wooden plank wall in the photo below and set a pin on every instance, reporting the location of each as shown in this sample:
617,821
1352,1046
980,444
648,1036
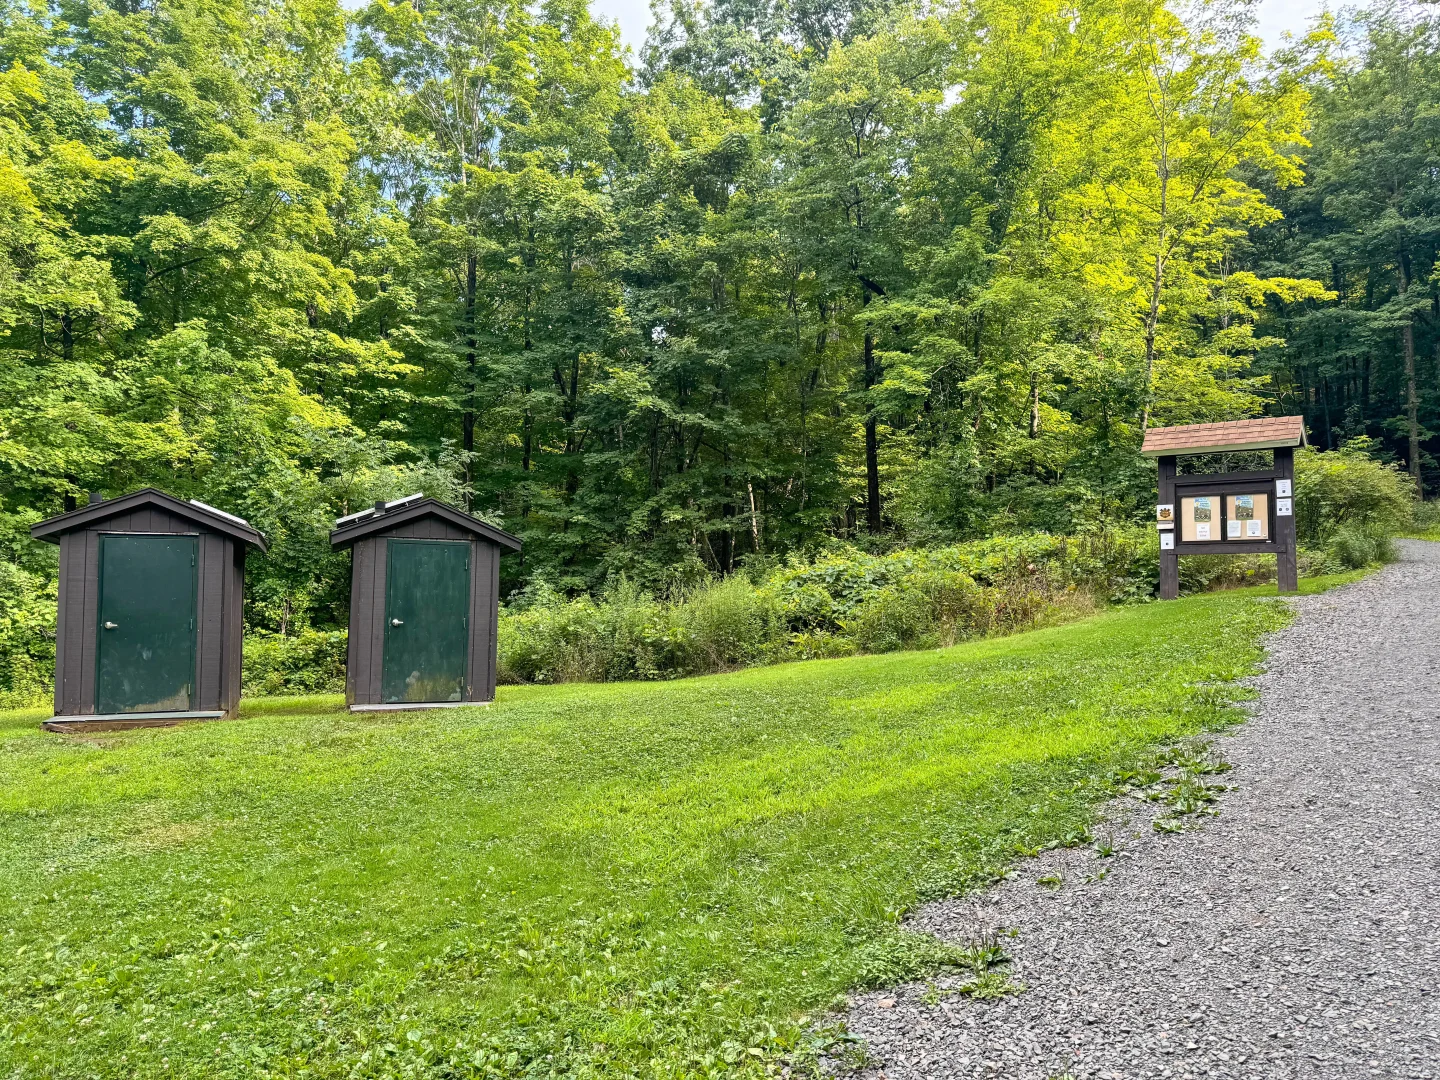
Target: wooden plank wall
484,598
219,584
233,642
365,655
210,567
367,621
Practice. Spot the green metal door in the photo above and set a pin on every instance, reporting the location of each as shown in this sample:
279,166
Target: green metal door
145,656
427,624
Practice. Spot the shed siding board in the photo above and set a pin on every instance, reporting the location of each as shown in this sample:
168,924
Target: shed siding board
70,620
429,529
234,643
89,615
377,619
486,617
61,598
359,598
210,575
478,679
366,617
374,630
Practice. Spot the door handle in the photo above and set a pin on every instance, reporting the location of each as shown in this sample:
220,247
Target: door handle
397,622
112,626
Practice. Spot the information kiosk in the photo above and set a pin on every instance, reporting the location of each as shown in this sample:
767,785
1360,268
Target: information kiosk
1226,513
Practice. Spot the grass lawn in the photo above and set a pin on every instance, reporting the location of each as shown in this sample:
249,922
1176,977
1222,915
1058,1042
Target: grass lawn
659,879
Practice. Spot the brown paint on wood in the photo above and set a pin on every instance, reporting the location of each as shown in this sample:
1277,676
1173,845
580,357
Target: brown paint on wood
1287,565
484,596
365,654
219,594
1169,560
89,622
210,607
359,596
1221,484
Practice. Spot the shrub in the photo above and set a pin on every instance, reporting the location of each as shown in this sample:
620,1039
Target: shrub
1347,489
723,625
843,602
892,617
27,637
309,663
1352,548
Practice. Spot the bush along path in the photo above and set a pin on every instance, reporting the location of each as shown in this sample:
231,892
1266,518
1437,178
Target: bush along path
1277,918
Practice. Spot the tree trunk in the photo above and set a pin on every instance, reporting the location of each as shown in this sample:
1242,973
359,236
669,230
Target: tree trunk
1152,323
467,419
754,517
1034,406
1412,404
1325,406
872,453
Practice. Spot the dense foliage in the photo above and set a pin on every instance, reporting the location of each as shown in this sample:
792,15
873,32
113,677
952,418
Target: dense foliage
799,273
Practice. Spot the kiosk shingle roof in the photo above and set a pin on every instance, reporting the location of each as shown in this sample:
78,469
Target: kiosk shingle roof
1262,433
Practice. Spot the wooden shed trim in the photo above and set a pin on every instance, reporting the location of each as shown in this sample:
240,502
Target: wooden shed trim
91,516
378,523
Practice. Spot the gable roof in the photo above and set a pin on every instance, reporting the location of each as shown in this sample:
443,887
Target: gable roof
368,522
208,517
1262,433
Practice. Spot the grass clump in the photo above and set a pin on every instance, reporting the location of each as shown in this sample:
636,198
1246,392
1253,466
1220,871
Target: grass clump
841,604
663,879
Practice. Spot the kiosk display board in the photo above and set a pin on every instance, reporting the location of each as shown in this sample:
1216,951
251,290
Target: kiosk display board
1247,517
1199,519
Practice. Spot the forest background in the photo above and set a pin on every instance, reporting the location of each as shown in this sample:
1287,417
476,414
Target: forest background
804,274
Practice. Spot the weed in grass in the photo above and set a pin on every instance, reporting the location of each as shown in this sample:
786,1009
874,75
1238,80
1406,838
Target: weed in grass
1130,781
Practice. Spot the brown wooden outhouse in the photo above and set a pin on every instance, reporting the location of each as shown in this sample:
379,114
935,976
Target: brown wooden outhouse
149,625
1226,513
424,604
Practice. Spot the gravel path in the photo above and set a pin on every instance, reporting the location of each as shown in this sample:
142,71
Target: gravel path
1297,934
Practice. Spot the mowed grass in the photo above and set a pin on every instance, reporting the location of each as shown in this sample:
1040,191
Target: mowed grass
663,879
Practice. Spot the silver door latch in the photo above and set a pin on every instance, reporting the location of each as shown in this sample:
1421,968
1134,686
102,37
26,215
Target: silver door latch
397,622
112,626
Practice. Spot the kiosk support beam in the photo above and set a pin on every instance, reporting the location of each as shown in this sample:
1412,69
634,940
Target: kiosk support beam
1169,560
1287,568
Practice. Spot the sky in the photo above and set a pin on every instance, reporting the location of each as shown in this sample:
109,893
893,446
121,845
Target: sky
1276,17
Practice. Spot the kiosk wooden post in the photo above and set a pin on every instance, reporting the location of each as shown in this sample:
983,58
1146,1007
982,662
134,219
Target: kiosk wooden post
1226,513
